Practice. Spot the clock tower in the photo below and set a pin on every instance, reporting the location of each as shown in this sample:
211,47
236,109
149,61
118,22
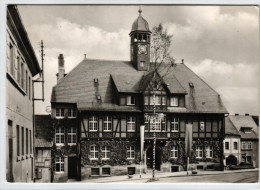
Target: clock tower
140,44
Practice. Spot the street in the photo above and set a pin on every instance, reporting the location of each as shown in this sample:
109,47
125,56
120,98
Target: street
242,176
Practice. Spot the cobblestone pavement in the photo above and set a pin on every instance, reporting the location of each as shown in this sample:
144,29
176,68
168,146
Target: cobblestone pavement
208,176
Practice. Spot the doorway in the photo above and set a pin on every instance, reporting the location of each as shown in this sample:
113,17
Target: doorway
231,160
72,167
149,158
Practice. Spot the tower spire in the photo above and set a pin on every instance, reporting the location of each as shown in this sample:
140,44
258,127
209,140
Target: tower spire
140,10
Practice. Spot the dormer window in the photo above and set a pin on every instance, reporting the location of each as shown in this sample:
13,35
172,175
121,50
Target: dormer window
130,100
174,101
72,112
59,112
246,129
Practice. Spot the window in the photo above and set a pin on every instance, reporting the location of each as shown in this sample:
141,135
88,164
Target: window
142,63
199,152
93,123
130,100
27,142
59,164
93,152
163,100
18,139
107,123
202,126
130,152
105,152
249,145
248,159
59,112
227,145
22,75
156,125
59,136
174,152
175,124
163,124
22,141
94,171
29,88
146,124
72,112
209,151
157,100
72,135
105,171
243,145
18,70
30,134
235,146
146,100
12,59
174,101
26,82
39,155
131,123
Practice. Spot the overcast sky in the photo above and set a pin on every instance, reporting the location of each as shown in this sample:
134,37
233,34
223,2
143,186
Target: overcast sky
219,43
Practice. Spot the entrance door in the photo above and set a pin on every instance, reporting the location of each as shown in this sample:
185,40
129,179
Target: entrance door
149,158
72,167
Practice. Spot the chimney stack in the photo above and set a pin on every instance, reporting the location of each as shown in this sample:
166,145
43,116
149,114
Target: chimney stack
61,68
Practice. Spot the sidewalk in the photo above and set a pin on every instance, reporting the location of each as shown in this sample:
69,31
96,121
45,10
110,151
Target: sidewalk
144,178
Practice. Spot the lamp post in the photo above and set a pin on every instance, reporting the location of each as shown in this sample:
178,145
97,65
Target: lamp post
153,117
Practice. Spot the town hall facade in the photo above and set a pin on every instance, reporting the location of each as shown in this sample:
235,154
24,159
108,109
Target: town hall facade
100,105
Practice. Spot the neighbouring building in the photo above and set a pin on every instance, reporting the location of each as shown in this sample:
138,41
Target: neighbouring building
57,151
108,99
232,144
21,67
43,143
248,131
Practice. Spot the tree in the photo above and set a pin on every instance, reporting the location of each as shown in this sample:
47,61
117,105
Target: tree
160,46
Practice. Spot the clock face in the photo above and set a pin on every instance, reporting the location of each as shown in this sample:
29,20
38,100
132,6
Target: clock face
142,49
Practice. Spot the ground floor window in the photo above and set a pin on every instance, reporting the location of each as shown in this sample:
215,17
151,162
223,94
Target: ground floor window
199,152
93,152
105,152
174,152
209,151
59,164
130,152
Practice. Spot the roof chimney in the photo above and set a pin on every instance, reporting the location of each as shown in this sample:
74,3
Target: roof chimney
236,114
61,67
246,114
182,61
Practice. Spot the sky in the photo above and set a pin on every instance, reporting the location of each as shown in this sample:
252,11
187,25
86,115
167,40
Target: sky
219,43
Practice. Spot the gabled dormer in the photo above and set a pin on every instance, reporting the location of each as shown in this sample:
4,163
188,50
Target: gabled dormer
157,92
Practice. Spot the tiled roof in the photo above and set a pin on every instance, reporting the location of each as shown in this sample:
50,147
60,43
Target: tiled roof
42,143
78,86
242,121
127,83
230,129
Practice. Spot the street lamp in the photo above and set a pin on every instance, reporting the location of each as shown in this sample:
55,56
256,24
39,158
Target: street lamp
153,117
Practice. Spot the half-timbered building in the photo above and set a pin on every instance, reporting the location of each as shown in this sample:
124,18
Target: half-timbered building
110,99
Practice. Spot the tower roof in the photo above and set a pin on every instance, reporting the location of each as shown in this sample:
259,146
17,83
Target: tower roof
140,24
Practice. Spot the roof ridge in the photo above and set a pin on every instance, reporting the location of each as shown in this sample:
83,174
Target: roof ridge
94,59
